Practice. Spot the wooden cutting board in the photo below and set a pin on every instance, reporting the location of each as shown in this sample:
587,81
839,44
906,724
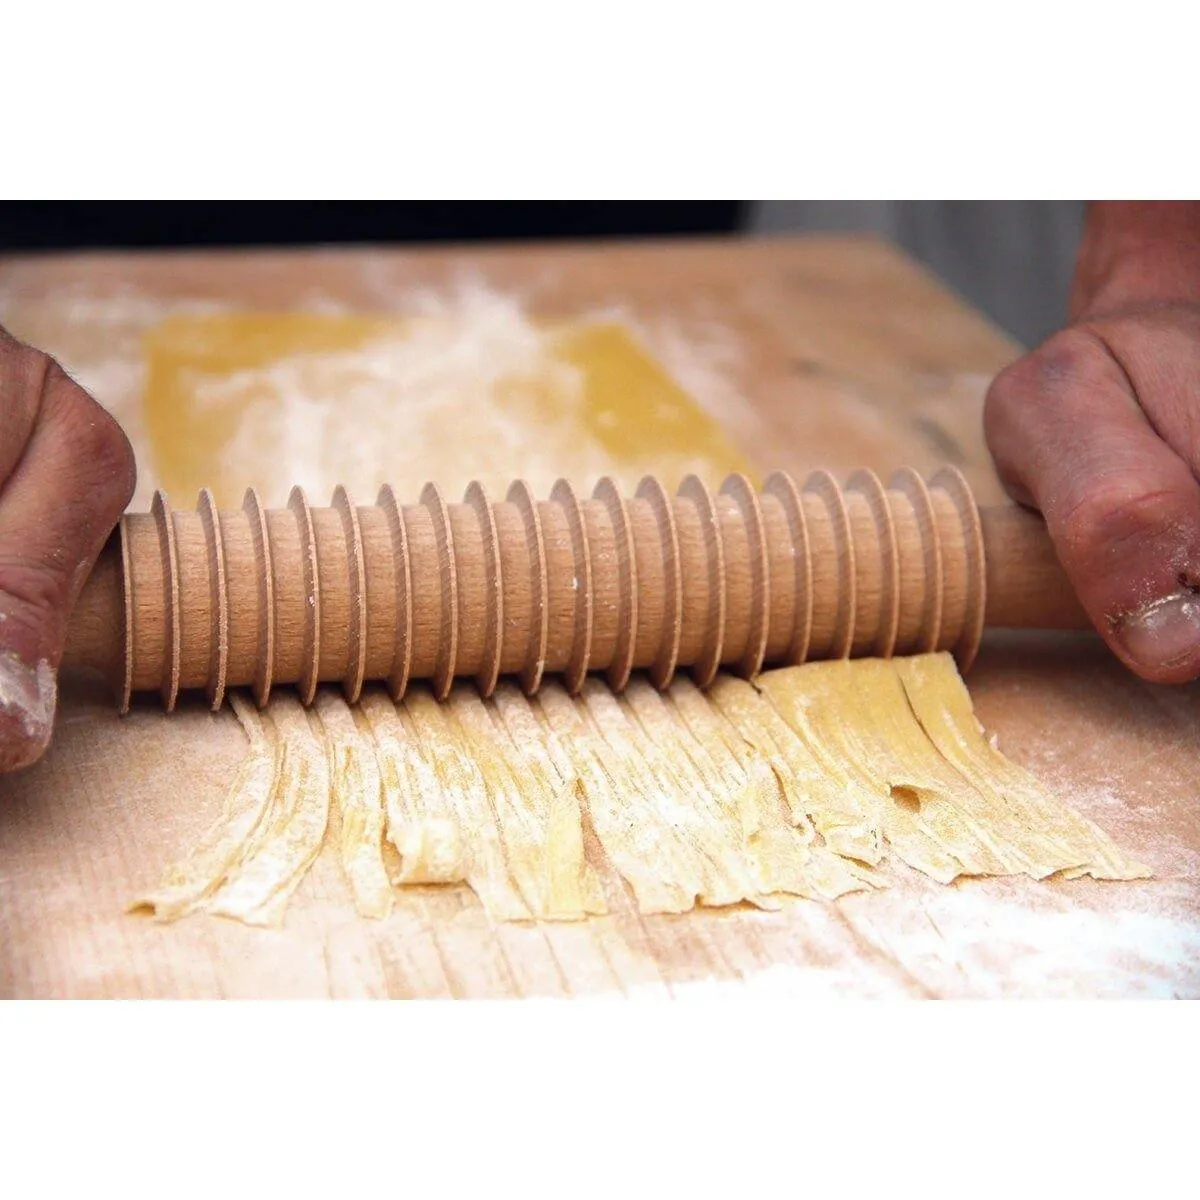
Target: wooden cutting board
810,352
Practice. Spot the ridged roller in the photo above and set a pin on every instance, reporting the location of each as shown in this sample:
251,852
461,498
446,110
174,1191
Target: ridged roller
737,578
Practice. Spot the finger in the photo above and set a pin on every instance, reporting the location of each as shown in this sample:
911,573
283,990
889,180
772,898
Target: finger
1159,351
57,508
21,375
1123,508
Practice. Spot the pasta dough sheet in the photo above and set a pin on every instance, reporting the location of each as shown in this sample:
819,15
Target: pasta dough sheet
807,782
350,396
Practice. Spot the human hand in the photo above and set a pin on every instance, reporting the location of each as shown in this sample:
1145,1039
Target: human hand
1099,429
66,476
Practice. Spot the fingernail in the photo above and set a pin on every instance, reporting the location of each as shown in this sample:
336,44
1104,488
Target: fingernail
1163,632
28,698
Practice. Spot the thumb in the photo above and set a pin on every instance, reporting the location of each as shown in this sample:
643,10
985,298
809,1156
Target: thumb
1123,509
70,478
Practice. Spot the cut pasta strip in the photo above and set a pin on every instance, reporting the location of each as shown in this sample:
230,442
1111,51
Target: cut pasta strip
258,888
357,791
187,884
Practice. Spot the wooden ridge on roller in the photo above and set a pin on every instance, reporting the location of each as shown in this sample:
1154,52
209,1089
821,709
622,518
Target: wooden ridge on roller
565,586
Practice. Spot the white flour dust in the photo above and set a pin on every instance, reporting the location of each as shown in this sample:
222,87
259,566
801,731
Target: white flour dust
28,697
996,940
451,397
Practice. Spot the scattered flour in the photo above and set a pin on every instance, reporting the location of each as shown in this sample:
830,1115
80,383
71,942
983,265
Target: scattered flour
995,939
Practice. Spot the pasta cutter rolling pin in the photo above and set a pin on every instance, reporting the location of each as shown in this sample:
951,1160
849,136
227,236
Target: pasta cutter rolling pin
434,590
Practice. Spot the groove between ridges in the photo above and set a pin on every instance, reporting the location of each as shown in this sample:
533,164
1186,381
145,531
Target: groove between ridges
709,663
907,480
866,484
951,481
401,665
311,598
264,668
823,485
621,667
447,657
218,658
161,511
521,495
580,658
740,489
781,485
493,630
662,670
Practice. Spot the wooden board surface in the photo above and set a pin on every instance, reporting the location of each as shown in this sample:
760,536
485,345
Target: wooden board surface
812,352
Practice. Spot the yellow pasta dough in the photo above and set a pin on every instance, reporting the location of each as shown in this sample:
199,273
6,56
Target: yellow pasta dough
805,782
1018,810
287,841
357,791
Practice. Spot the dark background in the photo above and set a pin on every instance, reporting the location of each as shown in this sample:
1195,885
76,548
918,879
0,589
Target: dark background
80,225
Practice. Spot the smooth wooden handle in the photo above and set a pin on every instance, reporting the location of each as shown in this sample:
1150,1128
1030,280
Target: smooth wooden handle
564,586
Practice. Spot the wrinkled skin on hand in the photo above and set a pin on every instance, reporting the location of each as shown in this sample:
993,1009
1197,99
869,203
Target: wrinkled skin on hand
1099,430
66,475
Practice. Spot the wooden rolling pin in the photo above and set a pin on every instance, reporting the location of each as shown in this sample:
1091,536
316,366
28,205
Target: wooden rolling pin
300,595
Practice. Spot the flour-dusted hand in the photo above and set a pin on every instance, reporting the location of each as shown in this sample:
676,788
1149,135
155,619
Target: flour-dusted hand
1099,429
66,475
